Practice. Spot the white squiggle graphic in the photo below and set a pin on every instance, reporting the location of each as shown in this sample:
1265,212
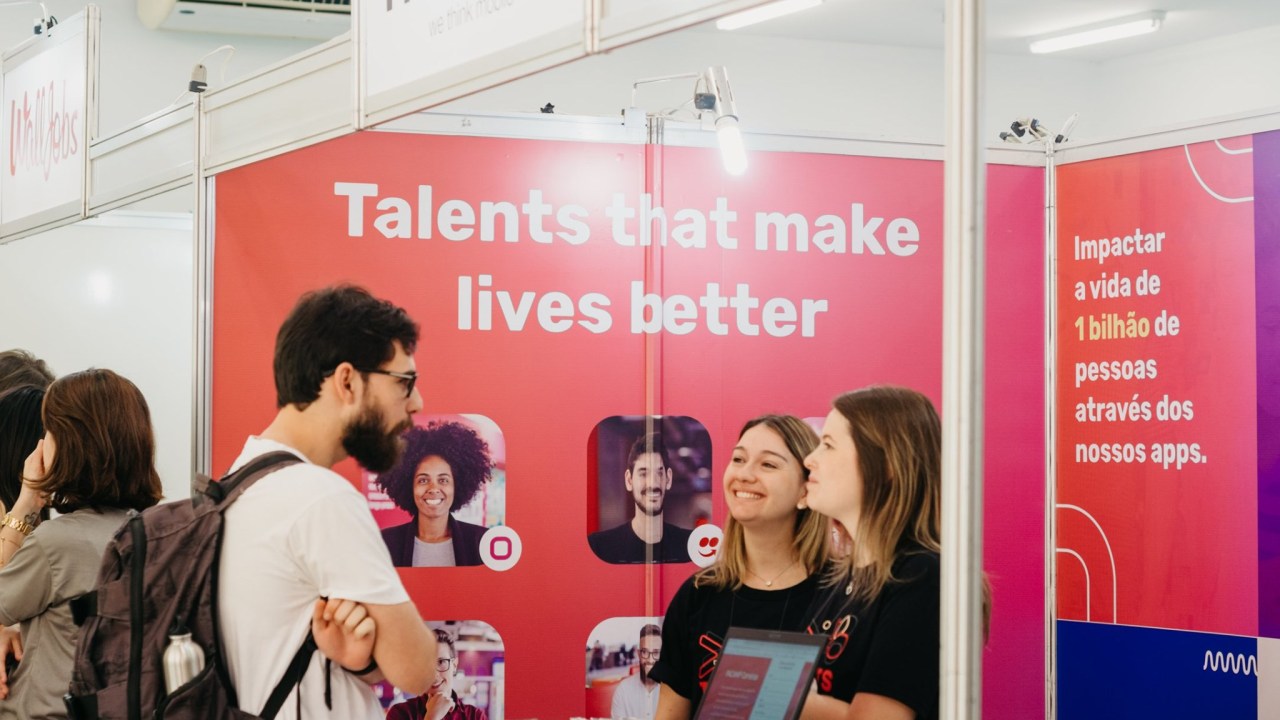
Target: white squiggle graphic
1088,599
1110,555
1214,195
1229,151
1234,663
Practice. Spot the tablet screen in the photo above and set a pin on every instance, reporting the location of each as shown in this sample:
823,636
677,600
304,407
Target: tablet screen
761,675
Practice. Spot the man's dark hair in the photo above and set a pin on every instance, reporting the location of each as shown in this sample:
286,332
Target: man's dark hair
19,367
645,444
650,629
460,446
331,326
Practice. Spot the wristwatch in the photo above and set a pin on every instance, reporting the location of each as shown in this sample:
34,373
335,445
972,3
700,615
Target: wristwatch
20,525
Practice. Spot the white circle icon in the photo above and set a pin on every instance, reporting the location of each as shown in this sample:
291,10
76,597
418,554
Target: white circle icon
500,548
704,544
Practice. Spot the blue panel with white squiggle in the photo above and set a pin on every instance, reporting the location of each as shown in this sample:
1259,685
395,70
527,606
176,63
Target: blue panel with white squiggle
1117,671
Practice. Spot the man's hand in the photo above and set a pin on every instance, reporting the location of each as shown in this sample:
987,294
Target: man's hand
438,706
344,632
10,645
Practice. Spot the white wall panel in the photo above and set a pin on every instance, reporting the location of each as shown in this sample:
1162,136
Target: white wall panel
112,292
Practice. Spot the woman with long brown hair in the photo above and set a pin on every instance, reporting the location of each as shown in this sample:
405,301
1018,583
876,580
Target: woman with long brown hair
767,571
877,474
95,463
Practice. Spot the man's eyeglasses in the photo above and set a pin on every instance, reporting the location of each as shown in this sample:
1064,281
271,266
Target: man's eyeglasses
408,380
649,654
443,664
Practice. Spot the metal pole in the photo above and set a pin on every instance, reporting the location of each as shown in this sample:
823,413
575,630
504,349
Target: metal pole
202,270
654,155
1050,431
962,367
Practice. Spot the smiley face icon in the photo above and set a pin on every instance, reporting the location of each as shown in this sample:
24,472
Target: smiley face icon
704,544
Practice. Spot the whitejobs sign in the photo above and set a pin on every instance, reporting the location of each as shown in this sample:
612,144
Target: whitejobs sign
44,122
417,48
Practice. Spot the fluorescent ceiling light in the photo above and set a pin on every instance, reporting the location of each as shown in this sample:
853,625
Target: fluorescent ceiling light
764,12
1102,32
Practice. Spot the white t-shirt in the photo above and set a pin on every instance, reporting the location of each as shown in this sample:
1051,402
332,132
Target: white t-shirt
297,534
633,701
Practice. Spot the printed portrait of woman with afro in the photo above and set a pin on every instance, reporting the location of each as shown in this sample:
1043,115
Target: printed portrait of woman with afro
443,467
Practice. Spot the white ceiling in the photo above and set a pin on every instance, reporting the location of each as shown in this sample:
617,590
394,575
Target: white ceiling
1011,23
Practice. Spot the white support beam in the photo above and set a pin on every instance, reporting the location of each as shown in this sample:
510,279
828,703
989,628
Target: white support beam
144,160
964,184
301,101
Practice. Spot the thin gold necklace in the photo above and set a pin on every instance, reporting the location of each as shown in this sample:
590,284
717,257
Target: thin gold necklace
769,583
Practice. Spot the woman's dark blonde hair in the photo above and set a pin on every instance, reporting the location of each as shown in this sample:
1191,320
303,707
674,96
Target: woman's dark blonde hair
898,437
104,446
811,535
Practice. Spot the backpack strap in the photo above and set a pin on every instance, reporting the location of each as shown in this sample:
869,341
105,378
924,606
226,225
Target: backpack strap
226,490
223,493
292,678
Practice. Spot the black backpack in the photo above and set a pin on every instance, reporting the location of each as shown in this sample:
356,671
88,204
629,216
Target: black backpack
160,573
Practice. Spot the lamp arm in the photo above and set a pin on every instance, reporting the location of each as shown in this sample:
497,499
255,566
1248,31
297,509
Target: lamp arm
664,78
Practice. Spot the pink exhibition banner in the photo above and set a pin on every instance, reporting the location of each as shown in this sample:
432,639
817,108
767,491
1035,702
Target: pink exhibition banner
1166,495
571,295
1157,483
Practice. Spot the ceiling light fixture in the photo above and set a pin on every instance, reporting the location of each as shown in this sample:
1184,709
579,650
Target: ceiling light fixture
1098,33
713,103
764,12
729,135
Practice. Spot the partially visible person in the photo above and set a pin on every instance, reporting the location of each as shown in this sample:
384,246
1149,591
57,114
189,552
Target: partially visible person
636,697
345,387
877,473
19,367
766,575
443,468
597,656
440,701
19,417
20,430
95,463
646,537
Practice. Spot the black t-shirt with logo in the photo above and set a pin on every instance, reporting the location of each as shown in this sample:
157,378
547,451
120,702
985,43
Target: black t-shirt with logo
886,647
698,619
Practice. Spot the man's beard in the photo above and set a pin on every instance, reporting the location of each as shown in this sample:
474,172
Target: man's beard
374,448
644,508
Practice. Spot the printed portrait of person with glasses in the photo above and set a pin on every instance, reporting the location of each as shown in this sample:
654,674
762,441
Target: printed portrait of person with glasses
621,653
636,697
441,701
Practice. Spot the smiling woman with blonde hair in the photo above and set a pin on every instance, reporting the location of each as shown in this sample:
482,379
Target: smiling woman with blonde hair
767,572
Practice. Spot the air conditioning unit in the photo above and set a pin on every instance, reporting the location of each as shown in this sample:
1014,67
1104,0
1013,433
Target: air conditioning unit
305,19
